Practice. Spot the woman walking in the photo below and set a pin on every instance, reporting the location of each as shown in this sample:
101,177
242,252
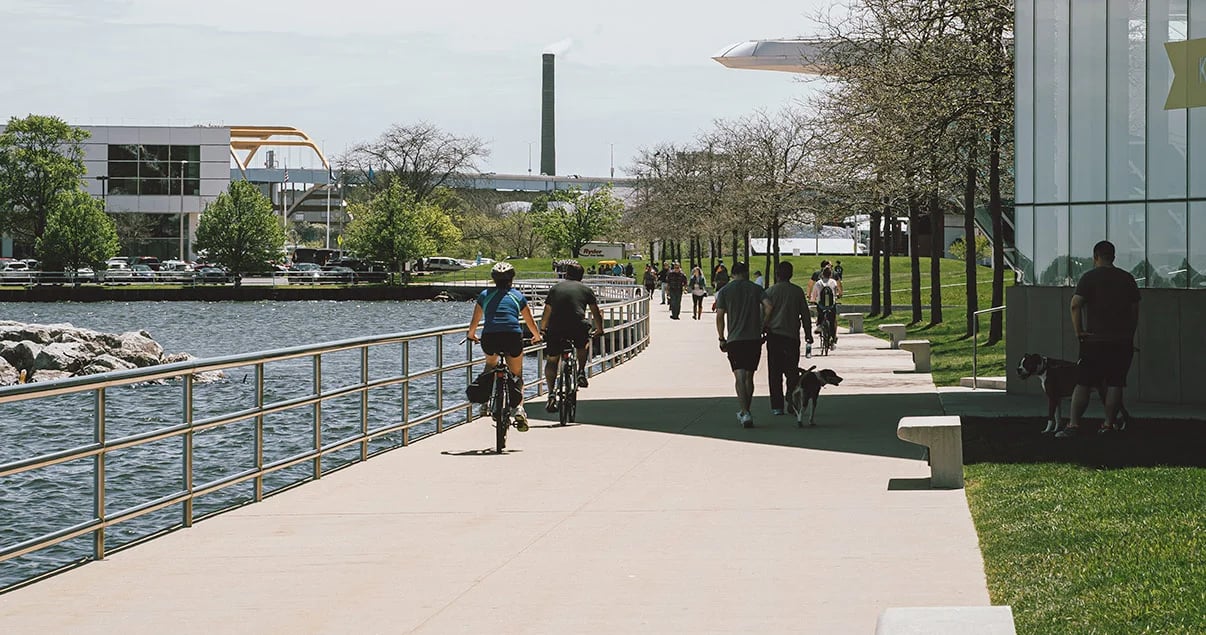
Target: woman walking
699,288
650,279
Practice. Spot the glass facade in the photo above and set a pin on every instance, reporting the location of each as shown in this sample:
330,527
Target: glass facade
150,170
1098,155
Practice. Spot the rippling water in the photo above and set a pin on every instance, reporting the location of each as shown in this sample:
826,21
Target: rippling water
48,499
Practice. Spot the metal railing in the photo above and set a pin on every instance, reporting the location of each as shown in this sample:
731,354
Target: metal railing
976,343
625,335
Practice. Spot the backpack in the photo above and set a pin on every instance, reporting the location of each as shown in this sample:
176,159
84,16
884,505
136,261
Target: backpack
825,298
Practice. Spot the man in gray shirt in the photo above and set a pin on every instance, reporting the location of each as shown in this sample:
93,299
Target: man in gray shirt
789,313
742,306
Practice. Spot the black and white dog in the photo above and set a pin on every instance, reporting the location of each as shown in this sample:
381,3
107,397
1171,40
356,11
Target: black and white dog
1058,379
807,388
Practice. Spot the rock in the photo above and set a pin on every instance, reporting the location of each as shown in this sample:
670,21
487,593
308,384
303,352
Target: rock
103,364
8,374
68,356
48,375
138,349
20,354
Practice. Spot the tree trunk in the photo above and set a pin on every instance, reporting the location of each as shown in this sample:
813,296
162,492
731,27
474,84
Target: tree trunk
969,239
778,226
914,256
875,241
888,243
770,231
712,244
996,325
747,247
734,246
937,242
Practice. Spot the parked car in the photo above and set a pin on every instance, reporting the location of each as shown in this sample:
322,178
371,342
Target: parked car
443,263
337,273
150,261
211,275
304,273
15,272
142,273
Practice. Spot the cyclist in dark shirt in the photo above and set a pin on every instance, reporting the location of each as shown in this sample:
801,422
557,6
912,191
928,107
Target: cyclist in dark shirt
1105,313
564,324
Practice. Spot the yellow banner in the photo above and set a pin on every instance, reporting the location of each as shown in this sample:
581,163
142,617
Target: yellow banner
1188,59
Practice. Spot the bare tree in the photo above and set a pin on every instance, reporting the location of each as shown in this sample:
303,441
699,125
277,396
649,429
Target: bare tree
420,156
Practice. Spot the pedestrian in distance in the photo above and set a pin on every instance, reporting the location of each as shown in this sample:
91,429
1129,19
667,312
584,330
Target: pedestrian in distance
650,279
1105,313
661,279
742,307
698,286
501,310
816,275
629,270
758,280
617,270
675,283
720,277
788,316
838,270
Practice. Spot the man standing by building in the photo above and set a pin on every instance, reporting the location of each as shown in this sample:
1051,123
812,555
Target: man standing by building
1110,297
742,306
789,313
676,281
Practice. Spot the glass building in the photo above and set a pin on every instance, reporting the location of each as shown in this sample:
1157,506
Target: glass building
1108,149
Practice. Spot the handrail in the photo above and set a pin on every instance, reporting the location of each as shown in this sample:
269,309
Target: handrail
976,342
626,334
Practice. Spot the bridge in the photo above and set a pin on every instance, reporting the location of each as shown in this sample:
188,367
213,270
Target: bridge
655,513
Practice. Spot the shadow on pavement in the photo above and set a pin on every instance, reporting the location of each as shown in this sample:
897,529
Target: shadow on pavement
1145,443
858,424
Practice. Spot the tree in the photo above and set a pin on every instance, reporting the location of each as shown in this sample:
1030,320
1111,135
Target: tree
240,230
40,157
78,233
568,219
421,157
395,227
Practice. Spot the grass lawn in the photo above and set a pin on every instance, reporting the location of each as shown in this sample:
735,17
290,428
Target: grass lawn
950,351
1080,550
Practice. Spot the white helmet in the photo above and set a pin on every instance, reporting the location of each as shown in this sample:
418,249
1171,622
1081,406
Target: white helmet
502,271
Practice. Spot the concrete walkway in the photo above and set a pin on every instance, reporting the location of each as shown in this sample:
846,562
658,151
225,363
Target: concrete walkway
657,514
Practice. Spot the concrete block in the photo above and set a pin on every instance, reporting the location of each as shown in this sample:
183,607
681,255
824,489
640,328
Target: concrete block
1159,341
943,435
944,620
856,321
1193,341
921,354
896,331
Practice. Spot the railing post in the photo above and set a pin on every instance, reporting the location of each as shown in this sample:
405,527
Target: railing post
439,383
98,471
406,392
318,416
259,432
364,397
975,351
188,440
468,378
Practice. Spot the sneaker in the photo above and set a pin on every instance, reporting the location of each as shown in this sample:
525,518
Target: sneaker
521,420
1068,432
746,419
778,412
582,381
551,404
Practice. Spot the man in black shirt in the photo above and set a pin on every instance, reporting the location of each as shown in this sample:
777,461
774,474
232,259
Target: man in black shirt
675,282
564,324
1110,298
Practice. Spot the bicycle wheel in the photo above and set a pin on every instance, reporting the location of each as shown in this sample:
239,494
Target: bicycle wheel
563,392
573,414
500,411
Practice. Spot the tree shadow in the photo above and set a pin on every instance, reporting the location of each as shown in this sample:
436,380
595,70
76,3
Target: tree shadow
1145,443
856,424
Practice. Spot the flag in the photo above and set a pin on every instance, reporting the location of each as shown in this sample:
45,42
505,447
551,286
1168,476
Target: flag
370,174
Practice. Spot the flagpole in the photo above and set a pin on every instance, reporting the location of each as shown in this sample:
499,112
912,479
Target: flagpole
328,161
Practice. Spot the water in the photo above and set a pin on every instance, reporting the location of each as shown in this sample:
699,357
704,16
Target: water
51,498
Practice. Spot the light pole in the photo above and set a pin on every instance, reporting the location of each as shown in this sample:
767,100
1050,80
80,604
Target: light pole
104,181
183,165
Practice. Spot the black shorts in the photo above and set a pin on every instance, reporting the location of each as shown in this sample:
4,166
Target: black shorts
559,339
509,344
1104,362
744,355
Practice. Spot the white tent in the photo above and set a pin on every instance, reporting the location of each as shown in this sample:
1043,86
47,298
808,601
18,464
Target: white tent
794,246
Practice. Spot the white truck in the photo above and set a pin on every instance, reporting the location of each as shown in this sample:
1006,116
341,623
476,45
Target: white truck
606,251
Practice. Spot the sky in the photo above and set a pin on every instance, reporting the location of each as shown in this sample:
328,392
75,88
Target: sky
630,73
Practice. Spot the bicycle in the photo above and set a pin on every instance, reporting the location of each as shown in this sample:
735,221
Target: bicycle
566,387
500,406
828,328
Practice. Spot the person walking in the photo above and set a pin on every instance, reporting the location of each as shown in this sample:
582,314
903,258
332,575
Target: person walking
742,306
758,280
661,279
650,280
675,283
628,269
502,309
720,277
698,287
789,314
838,271
1105,313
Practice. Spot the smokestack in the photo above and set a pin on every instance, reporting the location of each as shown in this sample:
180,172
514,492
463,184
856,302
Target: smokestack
548,135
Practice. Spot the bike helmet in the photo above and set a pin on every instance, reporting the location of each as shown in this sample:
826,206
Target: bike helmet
573,270
502,271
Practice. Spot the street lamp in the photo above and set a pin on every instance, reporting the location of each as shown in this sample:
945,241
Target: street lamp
183,165
104,180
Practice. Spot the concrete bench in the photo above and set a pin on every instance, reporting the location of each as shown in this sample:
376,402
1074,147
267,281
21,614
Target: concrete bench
943,435
897,331
856,321
946,620
921,354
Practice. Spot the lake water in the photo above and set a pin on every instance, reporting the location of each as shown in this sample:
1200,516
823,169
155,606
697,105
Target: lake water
44,500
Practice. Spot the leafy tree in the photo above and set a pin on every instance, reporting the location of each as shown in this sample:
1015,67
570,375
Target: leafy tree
78,233
395,227
568,219
983,248
40,157
240,230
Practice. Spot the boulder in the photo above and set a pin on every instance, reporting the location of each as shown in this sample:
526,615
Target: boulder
9,375
67,356
103,364
48,375
20,354
138,349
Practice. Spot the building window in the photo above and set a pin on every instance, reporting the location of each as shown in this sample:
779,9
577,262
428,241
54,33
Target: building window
1024,217
1126,108
1088,227
1127,230
1197,246
154,170
1166,246
1051,245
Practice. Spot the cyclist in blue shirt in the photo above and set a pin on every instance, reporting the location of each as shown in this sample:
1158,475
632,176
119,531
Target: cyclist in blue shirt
500,310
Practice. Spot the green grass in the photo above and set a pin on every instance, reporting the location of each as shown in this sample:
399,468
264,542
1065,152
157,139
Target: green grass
950,352
1082,551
